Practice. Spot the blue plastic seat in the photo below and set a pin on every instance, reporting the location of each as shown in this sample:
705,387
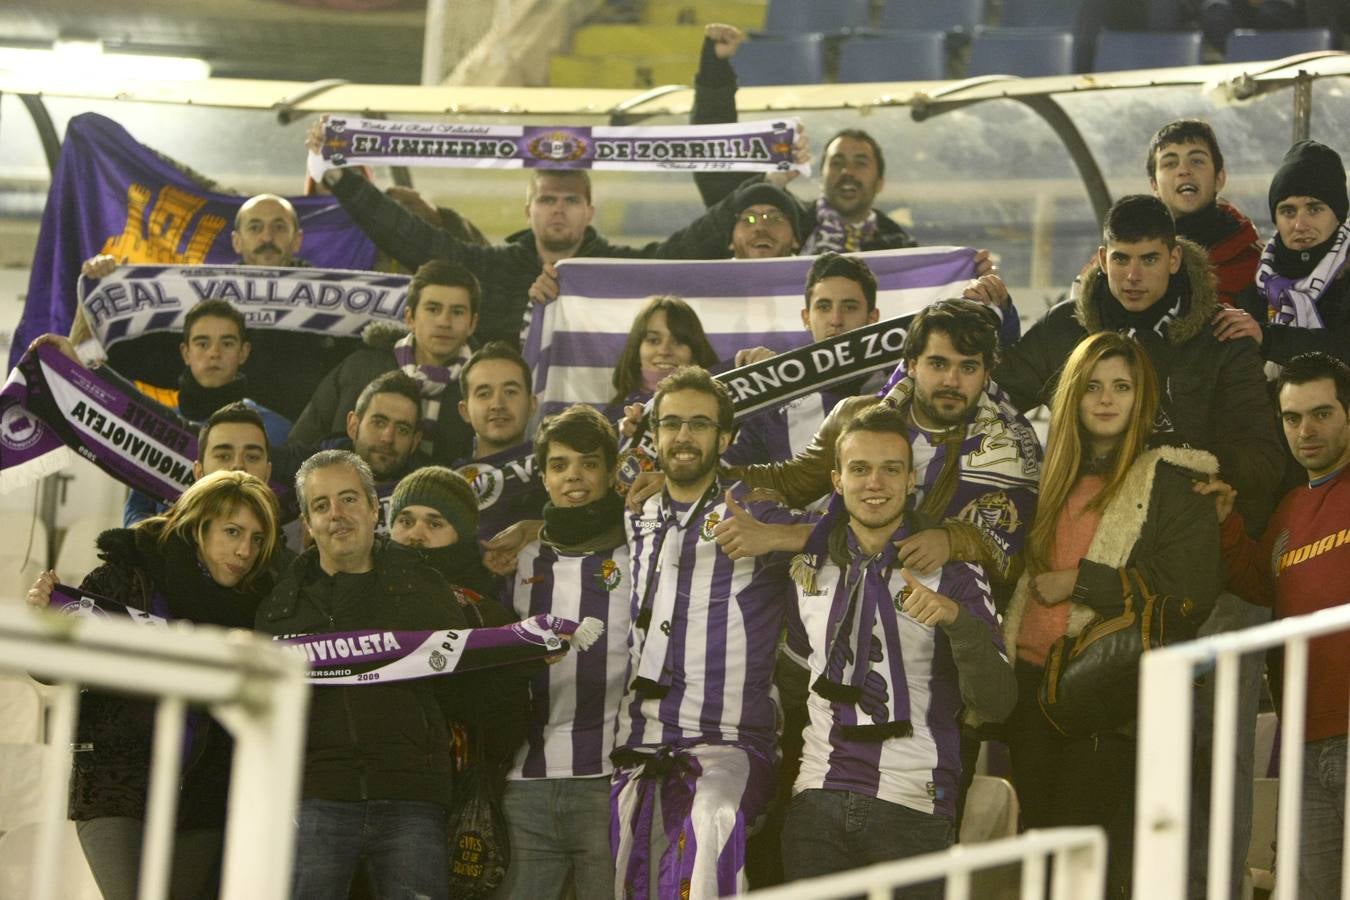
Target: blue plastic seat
1026,52
781,60
799,17
1040,13
894,56
929,15
1121,50
1245,45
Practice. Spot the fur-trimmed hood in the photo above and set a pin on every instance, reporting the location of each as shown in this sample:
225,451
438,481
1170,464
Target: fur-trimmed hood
1122,521
1195,278
383,335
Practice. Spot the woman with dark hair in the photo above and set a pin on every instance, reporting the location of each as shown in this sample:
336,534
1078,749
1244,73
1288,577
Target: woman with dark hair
205,561
665,335
1116,523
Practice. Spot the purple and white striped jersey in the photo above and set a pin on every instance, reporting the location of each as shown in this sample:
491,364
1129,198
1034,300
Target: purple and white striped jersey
708,654
573,702
777,435
919,771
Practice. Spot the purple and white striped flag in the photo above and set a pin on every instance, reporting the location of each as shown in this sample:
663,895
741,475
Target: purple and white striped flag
575,341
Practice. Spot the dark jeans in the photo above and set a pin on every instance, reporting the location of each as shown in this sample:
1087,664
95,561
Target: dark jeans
829,831
112,846
403,844
1072,781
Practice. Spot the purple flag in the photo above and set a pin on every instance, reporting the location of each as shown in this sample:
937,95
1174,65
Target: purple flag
112,194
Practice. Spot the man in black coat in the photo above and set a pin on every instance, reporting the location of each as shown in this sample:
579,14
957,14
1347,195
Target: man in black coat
377,772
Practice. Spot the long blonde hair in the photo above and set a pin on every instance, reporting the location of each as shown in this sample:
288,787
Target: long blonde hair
1064,449
214,497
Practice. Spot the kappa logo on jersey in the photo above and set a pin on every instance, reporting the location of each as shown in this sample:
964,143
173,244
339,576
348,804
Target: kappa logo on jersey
646,525
709,524
487,482
609,574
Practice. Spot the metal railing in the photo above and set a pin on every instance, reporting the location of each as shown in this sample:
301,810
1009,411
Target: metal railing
1076,858
257,692
1165,725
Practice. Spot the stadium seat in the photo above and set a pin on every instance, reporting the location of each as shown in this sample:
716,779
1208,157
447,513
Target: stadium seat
1026,52
1245,45
894,56
951,15
991,810
794,60
1040,13
18,849
799,17
20,710
1121,50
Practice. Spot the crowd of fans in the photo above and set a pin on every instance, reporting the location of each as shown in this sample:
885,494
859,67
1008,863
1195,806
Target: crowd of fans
814,616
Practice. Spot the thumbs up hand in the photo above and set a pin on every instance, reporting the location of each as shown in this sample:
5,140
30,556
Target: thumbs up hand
926,606
740,534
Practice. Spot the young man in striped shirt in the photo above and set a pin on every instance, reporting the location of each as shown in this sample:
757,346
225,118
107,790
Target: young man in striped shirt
895,657
694,757
557,794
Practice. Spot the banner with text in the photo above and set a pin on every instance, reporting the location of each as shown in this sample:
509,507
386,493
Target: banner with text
764,146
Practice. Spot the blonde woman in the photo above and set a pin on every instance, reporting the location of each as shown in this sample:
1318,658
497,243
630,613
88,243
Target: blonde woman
205,561
1108,507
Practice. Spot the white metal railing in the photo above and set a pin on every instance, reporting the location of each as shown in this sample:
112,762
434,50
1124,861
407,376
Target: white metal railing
1165,724
1076,858
255,690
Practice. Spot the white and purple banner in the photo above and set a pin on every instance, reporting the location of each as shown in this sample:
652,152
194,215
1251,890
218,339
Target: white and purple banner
137,300
763,146
575,341
382,655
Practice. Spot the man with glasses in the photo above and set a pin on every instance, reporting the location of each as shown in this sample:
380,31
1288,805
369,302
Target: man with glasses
697,725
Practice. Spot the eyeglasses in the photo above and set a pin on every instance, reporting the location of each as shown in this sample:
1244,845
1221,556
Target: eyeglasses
698,426
772,217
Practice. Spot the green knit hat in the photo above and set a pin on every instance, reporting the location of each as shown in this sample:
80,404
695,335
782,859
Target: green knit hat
445,491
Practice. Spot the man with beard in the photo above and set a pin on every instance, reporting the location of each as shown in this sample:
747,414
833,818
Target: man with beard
557,794
498,405
879,774
1186,171
694,757
1301,565
383,430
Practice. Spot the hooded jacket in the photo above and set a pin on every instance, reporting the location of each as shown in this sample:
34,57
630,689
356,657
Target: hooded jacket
326,412
1212,393
1155,526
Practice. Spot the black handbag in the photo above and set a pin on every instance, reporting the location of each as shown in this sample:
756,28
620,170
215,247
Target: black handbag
480,849
1091,682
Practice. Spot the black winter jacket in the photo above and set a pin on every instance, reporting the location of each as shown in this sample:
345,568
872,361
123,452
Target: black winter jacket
1212,394
111,772
373,741
1281,343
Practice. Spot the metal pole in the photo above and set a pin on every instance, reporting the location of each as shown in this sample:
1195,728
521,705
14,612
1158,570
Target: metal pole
1303,85
1163,794
433,43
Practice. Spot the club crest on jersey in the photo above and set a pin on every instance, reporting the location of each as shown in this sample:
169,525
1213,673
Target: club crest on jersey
993,510
705,533
487,482
632,463
609,575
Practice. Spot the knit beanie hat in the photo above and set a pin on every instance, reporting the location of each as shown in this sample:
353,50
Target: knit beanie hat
445,491
764,193
1311,169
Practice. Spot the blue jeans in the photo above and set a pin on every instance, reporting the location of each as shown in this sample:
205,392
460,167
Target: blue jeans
559,829
1323,829
403,844
828,831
